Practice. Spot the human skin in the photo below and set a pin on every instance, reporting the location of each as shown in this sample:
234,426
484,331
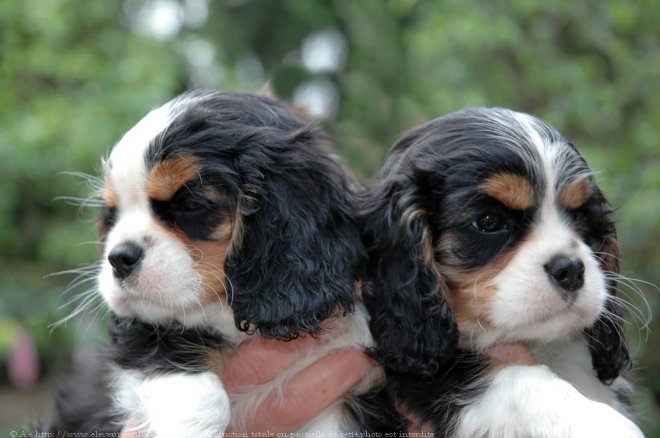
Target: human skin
513,353
316,387
306,394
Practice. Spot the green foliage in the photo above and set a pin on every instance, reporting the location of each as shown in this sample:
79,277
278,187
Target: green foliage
75,75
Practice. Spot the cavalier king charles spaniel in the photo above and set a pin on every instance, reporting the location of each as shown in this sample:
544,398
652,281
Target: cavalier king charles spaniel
223,216
487,227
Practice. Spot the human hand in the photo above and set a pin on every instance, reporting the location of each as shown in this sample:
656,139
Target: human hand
305,395
511,353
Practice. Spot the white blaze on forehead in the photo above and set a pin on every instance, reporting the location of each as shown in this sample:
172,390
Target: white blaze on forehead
560,164
528,124
550,223
127,164
548,152
524,283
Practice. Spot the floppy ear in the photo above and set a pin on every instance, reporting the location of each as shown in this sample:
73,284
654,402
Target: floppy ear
412,325
609,351
300,247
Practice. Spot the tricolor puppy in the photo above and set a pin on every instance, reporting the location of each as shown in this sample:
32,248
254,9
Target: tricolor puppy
224,216
485,227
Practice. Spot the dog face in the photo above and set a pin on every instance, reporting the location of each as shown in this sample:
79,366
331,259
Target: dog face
221,201
508,228
513,240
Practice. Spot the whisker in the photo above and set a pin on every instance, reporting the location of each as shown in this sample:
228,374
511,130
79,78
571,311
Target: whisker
608,254
631,294
85,269
79,309
92,180
89,202
631,286
79,297
91,242
82,301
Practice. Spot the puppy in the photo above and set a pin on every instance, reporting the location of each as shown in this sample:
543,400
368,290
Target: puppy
224,216
485,227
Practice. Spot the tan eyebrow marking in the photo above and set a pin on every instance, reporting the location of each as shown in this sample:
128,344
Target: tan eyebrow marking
576,193
169,176
510,189
109,193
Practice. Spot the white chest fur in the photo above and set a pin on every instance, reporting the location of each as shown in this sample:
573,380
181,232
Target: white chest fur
572,362
561,397
183,404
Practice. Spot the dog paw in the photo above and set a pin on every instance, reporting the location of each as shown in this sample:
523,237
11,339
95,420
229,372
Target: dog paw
181,405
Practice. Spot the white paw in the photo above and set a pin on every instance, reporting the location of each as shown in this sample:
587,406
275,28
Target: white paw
532,401
598,420
184,405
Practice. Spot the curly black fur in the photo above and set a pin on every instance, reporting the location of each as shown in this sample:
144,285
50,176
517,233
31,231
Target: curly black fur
294,264
300,249
412,326
431,176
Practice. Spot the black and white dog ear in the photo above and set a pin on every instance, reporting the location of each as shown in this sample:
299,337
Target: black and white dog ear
609,351
300,246
412,325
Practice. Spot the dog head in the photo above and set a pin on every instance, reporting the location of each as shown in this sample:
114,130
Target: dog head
487,226
227,200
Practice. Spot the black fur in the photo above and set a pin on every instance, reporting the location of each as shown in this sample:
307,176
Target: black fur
413,329
84,403
437,400
434,400
427,189
294,264
609,351
300,248
155,349
375,413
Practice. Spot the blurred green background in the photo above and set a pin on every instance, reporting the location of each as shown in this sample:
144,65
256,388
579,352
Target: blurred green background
74,75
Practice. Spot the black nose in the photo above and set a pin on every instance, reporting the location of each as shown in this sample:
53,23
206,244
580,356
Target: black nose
124,259
567,272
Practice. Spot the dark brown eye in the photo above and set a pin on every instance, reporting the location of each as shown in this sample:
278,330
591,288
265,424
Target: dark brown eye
188,201
489,223
107,216
189,204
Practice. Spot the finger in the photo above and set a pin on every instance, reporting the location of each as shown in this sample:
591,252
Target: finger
513,353
130,430
311,391
414,424
261,360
